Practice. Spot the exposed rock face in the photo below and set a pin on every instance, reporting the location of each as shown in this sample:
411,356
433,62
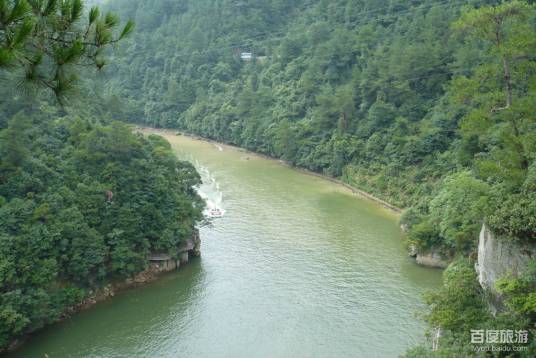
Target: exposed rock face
189,247
196,251
431,259
500,257
192,245
160,262
412,251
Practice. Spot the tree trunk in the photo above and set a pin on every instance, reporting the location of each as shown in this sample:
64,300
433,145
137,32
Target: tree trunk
507,82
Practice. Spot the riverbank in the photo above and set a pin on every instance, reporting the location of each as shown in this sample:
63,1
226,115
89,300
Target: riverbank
394,209
95,296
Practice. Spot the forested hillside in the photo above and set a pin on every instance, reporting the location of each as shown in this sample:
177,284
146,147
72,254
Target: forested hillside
394,98
351,89
428,104
82,204
83,200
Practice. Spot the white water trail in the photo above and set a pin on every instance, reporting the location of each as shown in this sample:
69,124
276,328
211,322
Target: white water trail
210,191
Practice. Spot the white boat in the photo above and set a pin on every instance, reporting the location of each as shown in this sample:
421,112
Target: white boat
215,213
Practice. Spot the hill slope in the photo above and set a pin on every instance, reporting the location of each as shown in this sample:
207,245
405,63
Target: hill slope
428,104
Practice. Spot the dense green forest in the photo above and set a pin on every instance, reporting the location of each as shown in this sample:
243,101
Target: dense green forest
83,200
428,104
61,233
391,97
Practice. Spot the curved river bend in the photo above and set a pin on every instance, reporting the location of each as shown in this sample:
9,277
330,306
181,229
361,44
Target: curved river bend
297,267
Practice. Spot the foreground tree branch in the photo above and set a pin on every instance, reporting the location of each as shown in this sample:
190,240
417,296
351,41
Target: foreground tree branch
46,40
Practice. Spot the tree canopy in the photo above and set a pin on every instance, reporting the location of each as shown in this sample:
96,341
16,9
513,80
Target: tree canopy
83,199
62,234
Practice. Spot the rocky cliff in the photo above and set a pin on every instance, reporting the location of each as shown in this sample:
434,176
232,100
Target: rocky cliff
500,257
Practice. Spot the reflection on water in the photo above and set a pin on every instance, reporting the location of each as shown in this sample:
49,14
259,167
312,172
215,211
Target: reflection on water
297,267
134,320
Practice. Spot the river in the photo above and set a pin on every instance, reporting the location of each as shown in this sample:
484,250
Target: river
297,267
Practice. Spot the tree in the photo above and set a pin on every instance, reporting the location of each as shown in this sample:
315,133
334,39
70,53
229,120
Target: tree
346,107
43,42
14,143
511,41
459,209
458,305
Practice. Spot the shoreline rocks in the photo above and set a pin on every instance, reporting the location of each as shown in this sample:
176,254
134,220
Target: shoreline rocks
431,259
190,248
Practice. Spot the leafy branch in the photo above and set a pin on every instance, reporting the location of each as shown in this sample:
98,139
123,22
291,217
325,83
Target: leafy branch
49,39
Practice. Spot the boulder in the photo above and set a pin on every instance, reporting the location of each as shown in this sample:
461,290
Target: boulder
431,259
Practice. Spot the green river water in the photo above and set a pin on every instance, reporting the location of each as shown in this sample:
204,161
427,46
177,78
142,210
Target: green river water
297,267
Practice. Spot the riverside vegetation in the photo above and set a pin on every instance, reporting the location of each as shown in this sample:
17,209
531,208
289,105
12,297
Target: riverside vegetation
82,201
427,104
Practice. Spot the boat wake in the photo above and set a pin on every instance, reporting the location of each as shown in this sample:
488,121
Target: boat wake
210,191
